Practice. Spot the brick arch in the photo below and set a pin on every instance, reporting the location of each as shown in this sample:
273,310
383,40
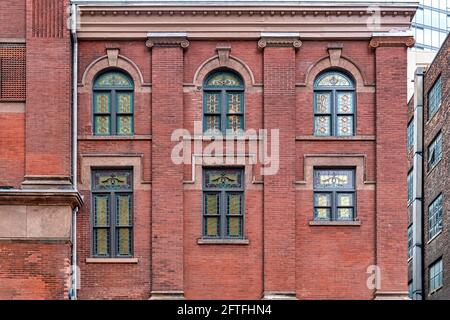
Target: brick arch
343,64
102,63
232,63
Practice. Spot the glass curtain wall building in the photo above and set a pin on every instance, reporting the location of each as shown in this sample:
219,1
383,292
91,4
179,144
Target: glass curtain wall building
431,24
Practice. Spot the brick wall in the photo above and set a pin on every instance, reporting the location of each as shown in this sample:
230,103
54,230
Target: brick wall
436,181
34,270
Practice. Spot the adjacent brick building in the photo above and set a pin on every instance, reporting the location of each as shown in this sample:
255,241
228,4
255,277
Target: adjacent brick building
89,172
430,184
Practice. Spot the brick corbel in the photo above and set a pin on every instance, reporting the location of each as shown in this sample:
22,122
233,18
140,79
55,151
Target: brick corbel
283,40
164,39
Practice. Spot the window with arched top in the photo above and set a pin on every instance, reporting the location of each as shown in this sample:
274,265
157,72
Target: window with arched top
113,104
334,105
223,103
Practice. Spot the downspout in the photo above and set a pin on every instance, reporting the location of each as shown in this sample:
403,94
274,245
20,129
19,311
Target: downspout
417,204
73,29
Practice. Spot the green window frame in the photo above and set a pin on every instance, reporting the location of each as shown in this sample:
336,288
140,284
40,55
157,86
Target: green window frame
113,104
334,194
434,98
112,213
435,217
435,151
223,103
223,203
334,105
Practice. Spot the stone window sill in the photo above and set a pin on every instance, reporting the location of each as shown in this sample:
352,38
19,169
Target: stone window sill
115,138
355,223
434,237
336,138
223,241
112,260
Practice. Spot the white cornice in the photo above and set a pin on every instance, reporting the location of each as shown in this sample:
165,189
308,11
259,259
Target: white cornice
241,19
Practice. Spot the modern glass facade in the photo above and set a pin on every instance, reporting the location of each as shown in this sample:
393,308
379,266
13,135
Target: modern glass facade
431,24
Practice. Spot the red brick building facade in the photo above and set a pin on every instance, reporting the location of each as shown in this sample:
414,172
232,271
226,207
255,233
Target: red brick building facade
323,220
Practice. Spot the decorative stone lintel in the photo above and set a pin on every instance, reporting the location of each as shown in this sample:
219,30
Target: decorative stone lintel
279,295
113,55
167,295
281,39
392,40
167,39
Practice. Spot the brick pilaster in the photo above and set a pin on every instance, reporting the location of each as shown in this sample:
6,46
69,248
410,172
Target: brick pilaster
48,99
167,207
279,192
391,122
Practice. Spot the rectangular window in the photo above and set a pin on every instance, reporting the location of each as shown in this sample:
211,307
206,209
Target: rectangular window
334,194
435,274
223,203
410,180
435,217
410,289
435,152
410,135
112,213
434,98
410,241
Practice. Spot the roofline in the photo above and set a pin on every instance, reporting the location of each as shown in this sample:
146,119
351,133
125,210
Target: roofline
247,3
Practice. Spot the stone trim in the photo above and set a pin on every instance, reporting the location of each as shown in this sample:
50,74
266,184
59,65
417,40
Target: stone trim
282,40
355,223
240,20
223,241
167,295
12,107
358,161
89,161
391,295
392,41
112,260
163,39
40,197
279,295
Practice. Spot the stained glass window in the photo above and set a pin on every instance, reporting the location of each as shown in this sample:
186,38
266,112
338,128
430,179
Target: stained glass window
334,194
113,104
334,105
223,103
112,195
223,207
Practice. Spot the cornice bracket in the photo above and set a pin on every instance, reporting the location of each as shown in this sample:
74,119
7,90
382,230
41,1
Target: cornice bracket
167,39
279,40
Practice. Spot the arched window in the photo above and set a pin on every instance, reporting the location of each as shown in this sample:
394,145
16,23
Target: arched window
334,105
113,104
223,103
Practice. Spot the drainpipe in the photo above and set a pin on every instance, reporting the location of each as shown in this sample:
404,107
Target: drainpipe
73,29
417,218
